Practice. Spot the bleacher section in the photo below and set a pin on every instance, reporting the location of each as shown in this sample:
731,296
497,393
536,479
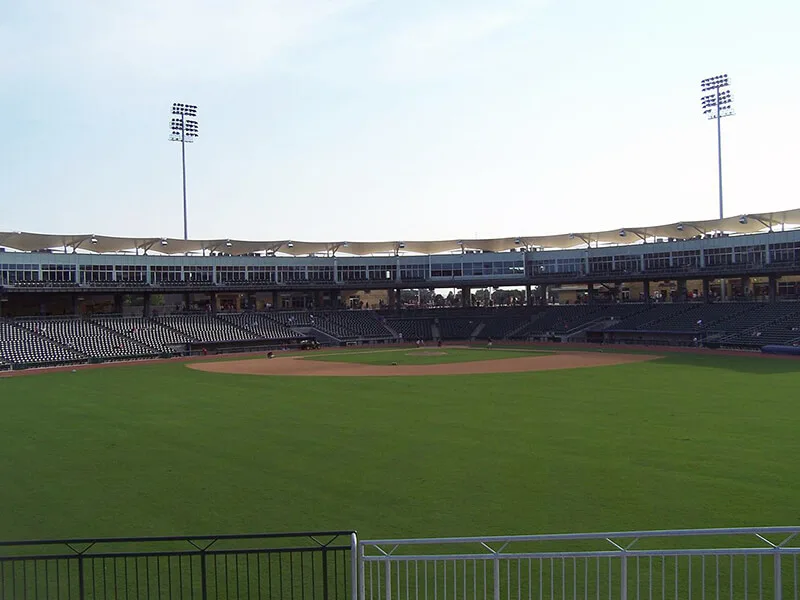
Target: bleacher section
457,329
498,328
21,346
343,325
766,324
206,328
359,323
146,331
309,320
412,329
651,314
559,320
88,338
43,341
701,317
260,325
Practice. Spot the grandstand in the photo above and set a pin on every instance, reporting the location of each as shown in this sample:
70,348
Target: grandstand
78,298
43,342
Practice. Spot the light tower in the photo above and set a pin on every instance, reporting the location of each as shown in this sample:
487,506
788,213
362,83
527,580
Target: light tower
184,129
716,105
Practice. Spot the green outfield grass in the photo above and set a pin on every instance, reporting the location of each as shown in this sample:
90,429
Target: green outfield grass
427,355
685,441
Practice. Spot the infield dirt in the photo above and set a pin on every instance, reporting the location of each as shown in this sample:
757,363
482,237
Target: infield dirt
303,366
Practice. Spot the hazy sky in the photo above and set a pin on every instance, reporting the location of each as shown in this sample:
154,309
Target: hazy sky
404,119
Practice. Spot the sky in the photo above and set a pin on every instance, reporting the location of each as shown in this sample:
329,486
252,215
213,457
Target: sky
392,120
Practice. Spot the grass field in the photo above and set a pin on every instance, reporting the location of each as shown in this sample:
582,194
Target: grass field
424,356
685,441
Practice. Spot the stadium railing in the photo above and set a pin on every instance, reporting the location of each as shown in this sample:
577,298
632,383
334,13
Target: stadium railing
310,565
700,563
334,565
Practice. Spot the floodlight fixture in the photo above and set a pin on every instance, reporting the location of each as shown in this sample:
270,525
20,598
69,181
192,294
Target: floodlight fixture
185,110
713,83
184,128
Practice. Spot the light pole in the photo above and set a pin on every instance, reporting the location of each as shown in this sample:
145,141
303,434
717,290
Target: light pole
184,129
716,105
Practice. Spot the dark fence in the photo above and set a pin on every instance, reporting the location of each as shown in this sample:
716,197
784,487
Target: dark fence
293,566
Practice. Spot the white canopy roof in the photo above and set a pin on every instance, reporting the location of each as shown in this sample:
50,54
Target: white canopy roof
751,223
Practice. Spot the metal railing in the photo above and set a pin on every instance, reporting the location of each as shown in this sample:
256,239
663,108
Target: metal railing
706,564
294,566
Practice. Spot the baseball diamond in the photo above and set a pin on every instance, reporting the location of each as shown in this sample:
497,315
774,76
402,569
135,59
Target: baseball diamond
555,388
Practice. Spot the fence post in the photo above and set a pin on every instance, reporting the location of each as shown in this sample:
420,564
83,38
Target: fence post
362,579
496,594
324,573
623,578
354,566
388,579
81,583
778,576
203,575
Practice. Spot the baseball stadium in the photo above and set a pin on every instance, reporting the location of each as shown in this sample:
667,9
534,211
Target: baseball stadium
407,411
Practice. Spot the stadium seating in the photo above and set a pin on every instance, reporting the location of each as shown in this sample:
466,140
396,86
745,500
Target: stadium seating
766,324
650,315
698,317
359,323
146,331
40,341
412,329
23,346
310,320
260,325
500,327
343,325
88,338
206,328
457,329
559,320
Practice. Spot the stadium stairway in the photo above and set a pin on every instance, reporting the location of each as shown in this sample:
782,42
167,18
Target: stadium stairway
477,331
